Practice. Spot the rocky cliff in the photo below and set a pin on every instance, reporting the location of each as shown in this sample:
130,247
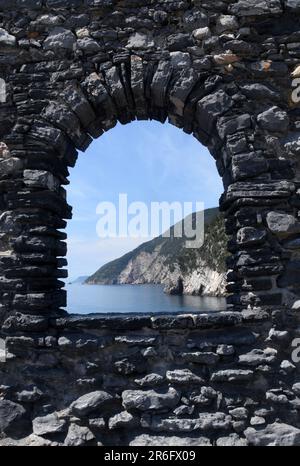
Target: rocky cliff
168,262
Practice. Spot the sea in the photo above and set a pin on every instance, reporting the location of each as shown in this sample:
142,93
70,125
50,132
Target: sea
127,299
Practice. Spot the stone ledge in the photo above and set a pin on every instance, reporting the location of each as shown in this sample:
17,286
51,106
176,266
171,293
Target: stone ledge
218,319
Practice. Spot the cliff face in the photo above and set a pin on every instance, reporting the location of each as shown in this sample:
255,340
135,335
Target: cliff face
168,262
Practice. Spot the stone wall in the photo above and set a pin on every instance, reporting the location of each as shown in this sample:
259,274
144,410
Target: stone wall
223,72
210,379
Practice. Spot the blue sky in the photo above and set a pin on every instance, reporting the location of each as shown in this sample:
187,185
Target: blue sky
149,161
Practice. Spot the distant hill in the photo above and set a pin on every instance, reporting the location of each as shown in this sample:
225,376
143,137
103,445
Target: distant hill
79,280
167,261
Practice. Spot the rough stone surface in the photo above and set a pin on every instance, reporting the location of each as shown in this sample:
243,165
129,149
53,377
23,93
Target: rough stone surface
90,402
146,440
6,38
78,436
283,225
221,71
232,441
123,420
59,38
11,416
150,400
49,424
281,435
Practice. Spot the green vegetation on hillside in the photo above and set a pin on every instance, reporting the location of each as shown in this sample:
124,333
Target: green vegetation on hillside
213,253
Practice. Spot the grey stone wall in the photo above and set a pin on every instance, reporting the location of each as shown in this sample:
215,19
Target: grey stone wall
222,71
212,379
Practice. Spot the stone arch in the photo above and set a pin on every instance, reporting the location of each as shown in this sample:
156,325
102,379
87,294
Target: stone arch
241,121
219,112
221,71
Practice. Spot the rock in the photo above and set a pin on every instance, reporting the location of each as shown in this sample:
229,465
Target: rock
205,422
248,165
10,165
193,19
160,17
263,412
149,352
277,398
184,410
239,426
282,225
125,367
49,20
296,72
160,82
225,350
180,59
183,376
204,398
226,58
230,125
274,119
174,289
239,413
25,323
277,434
259,91
140,41
198,357
29,394
41,179
290,278
226,23
210,106
123,420
249,236
4,151
257,357
277,335
287,366
136,340
36,441
201,33
6,38
60,38
257,421
49,424
88,45
12,417
80,105
296,388
296,306
145,440
292,243
150,380
150,400
256,8
292,5
83,32
78,436
97,423
179,41
232,440
232,375
88,403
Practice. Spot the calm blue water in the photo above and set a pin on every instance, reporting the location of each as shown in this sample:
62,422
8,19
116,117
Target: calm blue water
88,299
